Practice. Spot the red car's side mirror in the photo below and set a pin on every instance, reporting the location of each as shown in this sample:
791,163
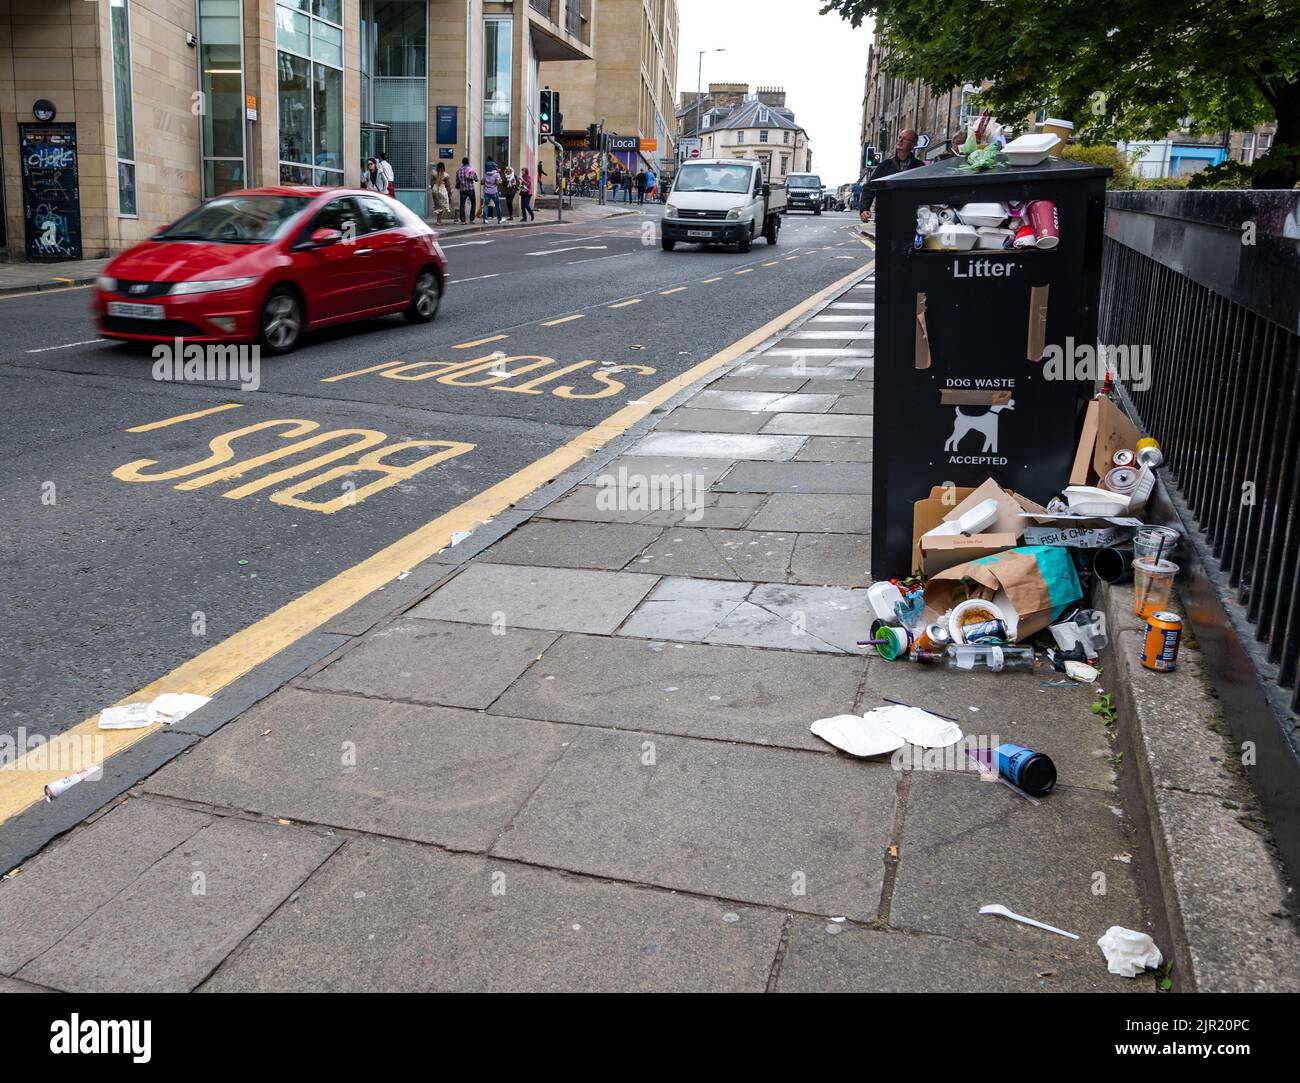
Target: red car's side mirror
320,238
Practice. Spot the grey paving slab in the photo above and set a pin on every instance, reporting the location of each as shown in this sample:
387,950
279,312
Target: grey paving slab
434,662
733,821
795,478
687,609
815,619
13,985
821,352
821,337
431,774
67,883
168,928
522,596
767,402
554,544
819,425
756,383
587,503
689,420
967,843
797,363
764,697
704,470
826,957
1015,707
386,916
721,510
842,383
814,513
837,449
761,556
834,560
722,446
854,404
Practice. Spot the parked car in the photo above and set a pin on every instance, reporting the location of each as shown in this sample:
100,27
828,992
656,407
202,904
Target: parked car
266,264
722,201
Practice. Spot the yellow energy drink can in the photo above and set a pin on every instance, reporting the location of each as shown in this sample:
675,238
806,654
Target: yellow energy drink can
1160,643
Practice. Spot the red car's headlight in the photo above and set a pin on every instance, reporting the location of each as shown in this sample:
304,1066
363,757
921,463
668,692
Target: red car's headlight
181,289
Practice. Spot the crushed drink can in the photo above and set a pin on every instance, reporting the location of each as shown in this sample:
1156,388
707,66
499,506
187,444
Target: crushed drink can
983,630
1160,641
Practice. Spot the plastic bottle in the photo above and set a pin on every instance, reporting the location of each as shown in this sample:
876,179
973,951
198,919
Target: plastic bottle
971,656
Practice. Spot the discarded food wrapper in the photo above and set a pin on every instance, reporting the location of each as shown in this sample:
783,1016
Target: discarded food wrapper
856,735
1036,583
173,706
916,726
1081,671
882,597
998,908
132,716
1129,952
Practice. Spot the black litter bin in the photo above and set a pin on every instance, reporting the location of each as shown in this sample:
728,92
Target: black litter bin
958,398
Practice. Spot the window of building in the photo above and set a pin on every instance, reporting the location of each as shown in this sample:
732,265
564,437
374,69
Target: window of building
497,85
785,164
1248,147
762,135
740,136
787,137
395,93
221,63
124,114
309,66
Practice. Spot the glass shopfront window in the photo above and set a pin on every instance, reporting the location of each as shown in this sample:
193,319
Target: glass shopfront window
221,64
310,76
498,76
123,110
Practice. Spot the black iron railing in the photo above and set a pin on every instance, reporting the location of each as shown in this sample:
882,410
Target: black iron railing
1210,282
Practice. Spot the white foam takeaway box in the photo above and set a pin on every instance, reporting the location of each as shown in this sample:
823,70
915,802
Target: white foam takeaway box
1030,149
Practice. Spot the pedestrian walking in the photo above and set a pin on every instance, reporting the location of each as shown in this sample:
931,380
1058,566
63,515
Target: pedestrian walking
899,162
441,192
641,181
526,195
510,189
627,186
371,178
541,178
386,171
651,184
492,191
466,181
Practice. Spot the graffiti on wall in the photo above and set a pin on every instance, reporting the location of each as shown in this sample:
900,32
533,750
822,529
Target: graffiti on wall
51,196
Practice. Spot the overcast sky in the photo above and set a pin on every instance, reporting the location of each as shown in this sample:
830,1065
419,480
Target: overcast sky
819,59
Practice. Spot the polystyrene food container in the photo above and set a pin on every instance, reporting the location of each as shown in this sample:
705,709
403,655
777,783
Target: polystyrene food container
1030,149
983,214
951,238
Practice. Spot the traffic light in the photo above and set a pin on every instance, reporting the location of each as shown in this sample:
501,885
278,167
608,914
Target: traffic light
593,137
545,117
557,118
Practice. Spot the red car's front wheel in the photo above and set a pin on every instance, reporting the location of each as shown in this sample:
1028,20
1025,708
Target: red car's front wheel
424,298
280,324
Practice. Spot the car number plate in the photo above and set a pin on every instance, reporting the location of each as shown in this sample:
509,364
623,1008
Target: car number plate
699,233
139,312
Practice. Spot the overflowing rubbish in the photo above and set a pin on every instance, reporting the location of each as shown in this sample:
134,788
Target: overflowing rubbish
1129,952
991,227
1002,911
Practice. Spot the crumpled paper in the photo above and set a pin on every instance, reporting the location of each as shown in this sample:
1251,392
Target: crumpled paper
1128,953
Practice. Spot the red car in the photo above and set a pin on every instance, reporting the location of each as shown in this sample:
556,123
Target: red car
265,264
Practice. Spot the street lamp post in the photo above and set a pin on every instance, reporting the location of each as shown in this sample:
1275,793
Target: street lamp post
699,88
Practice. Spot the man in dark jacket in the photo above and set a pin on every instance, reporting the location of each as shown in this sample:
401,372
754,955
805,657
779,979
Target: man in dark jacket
901,160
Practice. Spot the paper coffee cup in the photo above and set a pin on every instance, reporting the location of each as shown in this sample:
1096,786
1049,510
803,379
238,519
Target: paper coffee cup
1042,218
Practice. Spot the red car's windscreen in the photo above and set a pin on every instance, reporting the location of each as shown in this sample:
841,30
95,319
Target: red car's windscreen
240,219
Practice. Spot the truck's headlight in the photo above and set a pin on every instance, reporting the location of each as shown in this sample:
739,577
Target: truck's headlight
670,211
733,216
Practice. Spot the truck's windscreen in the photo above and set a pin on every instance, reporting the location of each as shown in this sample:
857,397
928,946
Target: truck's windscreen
803,180
713,178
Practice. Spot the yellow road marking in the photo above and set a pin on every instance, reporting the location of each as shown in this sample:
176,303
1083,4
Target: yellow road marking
708,280
362,372
58,278
40,293
479,342
564,319
747,270
624,304
676,289
185,417
22,783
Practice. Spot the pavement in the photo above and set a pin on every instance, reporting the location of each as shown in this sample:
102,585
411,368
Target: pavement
576,755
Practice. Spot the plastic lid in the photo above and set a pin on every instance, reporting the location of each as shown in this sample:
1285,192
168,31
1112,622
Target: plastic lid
1157,567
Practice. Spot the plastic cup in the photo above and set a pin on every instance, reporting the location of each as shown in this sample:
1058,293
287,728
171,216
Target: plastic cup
1153,585
1155,541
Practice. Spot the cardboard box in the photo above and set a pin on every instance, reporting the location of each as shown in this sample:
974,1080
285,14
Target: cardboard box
1106,430
1077,537
931,555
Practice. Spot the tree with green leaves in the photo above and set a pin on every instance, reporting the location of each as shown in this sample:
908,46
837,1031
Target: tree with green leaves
1119,69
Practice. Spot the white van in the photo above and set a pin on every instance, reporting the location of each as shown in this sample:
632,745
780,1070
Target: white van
722,201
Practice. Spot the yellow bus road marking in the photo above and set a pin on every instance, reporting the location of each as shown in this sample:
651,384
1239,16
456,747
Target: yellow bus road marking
624,304
708,280
747,270
479,342
676,289
185,417
362,372
22,783
564,319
